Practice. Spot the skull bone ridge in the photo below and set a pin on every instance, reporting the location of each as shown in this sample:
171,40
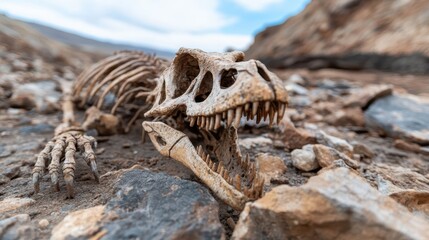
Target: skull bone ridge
202,84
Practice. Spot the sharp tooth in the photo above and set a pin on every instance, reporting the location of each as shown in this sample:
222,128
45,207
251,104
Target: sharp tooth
215,166
267,106
237,182
198,121
230,117
255,108
217,121
208,158
281,112
210,164
225,175
258,117
219,168
203,122
192,123
251,173
212,122
246,107
199,150
238,114
221,171
224,115
208,123
272,112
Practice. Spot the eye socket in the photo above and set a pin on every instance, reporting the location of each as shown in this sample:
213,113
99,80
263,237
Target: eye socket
186,70
205,88
160,141
263,74
228,78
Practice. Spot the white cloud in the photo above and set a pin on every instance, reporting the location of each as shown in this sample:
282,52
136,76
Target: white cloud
164,24
256,5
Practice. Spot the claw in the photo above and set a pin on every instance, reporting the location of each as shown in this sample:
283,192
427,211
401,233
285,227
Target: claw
36,182
95,171
55,183
69,185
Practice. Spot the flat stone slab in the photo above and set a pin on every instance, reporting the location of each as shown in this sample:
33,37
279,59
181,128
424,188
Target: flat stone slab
400,116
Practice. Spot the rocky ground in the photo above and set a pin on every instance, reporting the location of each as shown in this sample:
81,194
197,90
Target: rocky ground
349,160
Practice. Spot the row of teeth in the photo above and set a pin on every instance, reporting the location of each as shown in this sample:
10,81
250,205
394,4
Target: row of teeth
254,191
270,111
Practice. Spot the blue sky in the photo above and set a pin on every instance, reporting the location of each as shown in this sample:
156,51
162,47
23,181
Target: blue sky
211,25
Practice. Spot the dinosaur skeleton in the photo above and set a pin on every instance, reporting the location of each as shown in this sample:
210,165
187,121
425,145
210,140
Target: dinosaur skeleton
207,94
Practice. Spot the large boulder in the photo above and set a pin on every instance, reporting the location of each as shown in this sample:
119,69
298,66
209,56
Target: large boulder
336,204
147,205
158,206
400,116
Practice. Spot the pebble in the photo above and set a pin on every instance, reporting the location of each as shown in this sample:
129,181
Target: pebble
44,223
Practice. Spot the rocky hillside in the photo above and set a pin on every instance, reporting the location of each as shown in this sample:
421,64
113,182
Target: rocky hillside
350,34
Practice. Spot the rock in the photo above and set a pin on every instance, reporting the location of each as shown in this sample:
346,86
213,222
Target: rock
330,34
406,146
158,206
336,204
296,89
300,101
249,143
5,151
294,138
400,116
270,167
11,171
399,178
362,149
9,204
297,79
43,223
334,142
326,156
42,96
305,159
18,227
79,224
415,201
4,179
347,117
363,97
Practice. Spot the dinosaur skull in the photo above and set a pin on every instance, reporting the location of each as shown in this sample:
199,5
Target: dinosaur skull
215,92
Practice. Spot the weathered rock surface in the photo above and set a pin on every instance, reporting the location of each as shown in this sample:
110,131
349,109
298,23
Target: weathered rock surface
18,227
157,206
352,116
270,167
400,116
305,159
42,96
295,138
78,224
147,205
9,204
348,34
363,97
334,142
336,204
326,156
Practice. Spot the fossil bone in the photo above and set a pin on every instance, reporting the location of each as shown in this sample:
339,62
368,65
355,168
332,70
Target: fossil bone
209,94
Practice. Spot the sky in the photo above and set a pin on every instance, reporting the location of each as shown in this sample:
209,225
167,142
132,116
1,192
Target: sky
210,25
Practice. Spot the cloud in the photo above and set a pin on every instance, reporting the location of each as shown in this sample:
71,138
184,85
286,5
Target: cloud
164,24
256,5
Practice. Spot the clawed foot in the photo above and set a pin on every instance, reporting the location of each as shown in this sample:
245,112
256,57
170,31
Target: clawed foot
64,146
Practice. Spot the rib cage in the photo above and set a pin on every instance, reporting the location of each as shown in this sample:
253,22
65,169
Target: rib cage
129,77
